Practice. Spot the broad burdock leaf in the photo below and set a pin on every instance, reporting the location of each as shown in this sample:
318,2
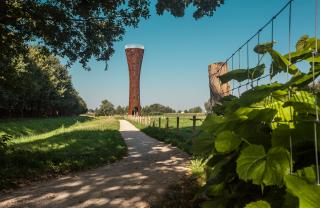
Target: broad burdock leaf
258,204
308,194
243,74
261,167
263,48
258,93
308,173
226,141
302,102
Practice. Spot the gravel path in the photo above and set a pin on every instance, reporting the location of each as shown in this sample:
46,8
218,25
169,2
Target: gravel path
138,180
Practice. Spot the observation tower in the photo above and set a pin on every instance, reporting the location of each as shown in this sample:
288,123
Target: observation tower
134,53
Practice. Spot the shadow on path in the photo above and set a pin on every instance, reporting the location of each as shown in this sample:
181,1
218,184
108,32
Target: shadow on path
139,180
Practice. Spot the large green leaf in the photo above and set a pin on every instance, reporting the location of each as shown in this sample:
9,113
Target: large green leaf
243,74
299,55
227,141
258,93
267,169
217,203
302,79
258,204
281,64
302,102
304,48
308,194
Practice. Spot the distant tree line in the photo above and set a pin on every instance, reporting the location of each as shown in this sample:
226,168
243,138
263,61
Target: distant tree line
156,109
37,84
106,108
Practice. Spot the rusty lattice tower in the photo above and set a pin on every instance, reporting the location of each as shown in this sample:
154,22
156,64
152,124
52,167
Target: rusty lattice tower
134,55
217,90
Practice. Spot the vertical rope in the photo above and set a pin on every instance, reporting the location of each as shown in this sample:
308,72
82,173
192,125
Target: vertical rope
289,91
258,53
232,79
239,68
258,44
248,65
272,41
315,52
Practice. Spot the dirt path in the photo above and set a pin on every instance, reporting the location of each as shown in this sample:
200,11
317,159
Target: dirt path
136,181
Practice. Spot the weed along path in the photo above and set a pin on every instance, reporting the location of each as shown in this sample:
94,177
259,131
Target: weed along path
139,180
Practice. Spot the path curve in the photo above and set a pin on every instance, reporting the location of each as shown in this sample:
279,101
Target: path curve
139,180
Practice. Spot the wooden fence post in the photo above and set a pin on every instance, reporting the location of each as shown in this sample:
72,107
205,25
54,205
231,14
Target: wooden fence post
194,119
159,122
178,120
167,123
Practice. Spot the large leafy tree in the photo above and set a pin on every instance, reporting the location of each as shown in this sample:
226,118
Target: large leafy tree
106,108
79,29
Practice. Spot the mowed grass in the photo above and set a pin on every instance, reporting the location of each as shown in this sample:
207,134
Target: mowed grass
64,145
34,126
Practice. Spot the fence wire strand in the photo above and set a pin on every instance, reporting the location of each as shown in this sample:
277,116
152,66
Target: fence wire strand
315,53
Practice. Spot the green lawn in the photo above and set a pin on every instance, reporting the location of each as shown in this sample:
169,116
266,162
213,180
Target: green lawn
54,146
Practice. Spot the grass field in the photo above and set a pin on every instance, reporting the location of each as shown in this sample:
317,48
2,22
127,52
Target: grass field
48,147
181,138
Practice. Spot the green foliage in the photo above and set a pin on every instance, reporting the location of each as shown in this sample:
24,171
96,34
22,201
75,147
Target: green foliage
246,143
156,109
258,204
243,74
37,85
308,194
4,139
196,109
261,167
226,141
106,108
178,7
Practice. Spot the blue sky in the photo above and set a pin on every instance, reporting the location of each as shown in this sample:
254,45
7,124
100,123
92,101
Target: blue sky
178,51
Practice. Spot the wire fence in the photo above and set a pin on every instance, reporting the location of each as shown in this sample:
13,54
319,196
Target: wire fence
170,121
242,58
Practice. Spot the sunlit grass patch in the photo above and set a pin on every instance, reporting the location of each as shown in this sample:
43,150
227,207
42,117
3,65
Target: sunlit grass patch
73,147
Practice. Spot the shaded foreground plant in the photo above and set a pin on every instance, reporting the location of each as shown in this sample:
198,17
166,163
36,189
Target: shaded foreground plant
247,142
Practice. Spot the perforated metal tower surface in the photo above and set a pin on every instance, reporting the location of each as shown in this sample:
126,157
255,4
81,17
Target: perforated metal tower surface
134,55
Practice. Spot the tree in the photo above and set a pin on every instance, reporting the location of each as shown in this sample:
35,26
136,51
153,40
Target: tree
106,108
120,110
79,30
37,85
177,7
197,109
156,109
